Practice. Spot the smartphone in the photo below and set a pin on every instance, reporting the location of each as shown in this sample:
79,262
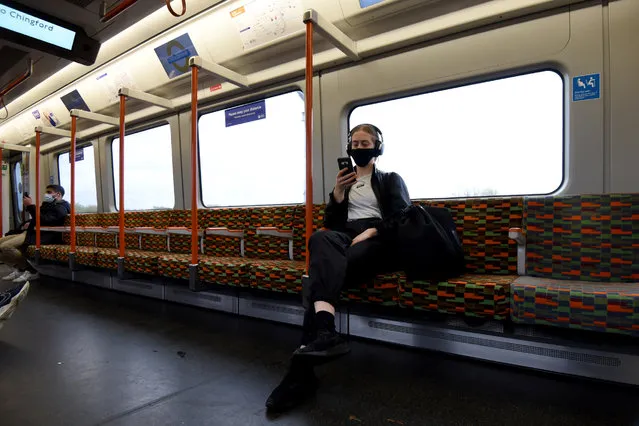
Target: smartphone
345,163
25,194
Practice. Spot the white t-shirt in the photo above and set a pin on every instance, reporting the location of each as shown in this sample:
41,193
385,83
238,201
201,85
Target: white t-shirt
362,203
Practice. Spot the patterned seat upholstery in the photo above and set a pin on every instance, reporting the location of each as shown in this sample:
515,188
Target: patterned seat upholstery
582,254
222,262
491,261
475,295
271,267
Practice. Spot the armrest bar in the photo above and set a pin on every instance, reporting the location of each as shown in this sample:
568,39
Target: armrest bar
517,234
225,232
55,228
181,230
272,231
149,231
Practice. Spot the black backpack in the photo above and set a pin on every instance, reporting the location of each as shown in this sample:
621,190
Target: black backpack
428,244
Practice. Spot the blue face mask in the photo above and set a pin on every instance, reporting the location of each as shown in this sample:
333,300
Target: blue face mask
48,198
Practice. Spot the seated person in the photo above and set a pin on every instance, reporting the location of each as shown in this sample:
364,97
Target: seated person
360,215
10,299
13,248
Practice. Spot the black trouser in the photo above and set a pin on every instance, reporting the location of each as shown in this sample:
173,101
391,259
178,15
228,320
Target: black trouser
334,263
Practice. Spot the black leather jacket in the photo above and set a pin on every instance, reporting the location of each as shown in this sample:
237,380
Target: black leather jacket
392,196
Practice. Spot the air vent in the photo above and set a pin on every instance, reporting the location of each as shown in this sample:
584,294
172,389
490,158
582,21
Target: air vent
498,344
276,308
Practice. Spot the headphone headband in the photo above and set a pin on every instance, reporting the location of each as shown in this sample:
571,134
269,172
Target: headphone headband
379,142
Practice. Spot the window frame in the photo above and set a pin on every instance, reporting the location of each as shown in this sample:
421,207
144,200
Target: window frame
232,104
81,144
454,84
109,148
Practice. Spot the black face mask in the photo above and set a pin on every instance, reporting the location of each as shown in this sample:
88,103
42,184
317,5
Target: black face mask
362,156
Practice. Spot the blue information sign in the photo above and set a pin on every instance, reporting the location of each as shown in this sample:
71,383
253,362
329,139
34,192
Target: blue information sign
79,154
586,87
175,54
245,113
366,3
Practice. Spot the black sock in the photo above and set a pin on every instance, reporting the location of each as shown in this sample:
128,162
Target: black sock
325,321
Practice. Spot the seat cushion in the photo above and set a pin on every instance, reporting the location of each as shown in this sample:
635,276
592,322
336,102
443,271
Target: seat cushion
483,296
233,271
277,275
604,307
50,252
384,290
174,265
107,258
83,255
142,262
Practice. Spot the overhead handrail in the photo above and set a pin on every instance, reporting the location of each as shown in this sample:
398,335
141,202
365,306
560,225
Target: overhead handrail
124,93
101,118
219,71
18,80
332,33
146,97
38,131
196,64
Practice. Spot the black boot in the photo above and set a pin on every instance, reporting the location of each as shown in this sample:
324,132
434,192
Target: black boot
299,384
328,343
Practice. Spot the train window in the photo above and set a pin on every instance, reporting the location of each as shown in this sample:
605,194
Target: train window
254,154
148,169
501,137
86,193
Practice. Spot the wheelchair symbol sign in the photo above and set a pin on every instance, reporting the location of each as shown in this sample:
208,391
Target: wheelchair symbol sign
586,87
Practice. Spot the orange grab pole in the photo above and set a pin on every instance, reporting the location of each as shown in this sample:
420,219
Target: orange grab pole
194,230
309,136
122,113
74,124
37,186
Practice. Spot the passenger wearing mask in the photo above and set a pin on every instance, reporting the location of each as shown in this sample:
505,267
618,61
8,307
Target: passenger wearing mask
13,248
360,216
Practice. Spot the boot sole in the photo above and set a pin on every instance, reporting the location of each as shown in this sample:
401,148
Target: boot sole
332,352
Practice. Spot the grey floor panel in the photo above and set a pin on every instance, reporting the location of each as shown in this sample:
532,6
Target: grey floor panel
78,355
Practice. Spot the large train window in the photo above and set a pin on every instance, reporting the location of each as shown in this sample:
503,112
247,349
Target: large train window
501,137
148,169
254,154
86,193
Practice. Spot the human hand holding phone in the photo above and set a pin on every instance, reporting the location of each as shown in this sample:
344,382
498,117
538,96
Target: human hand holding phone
346,177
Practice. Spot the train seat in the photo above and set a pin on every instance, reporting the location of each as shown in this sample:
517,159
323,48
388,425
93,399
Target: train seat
491,261
582,263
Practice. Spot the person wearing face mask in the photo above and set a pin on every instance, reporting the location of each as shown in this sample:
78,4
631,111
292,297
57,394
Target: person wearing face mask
360,219
53,211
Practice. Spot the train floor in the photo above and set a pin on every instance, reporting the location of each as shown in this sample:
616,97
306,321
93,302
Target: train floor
76,355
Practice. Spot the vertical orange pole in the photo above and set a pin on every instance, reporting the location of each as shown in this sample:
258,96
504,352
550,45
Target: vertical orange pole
194,230
74,124
37,189
122,131
308,115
